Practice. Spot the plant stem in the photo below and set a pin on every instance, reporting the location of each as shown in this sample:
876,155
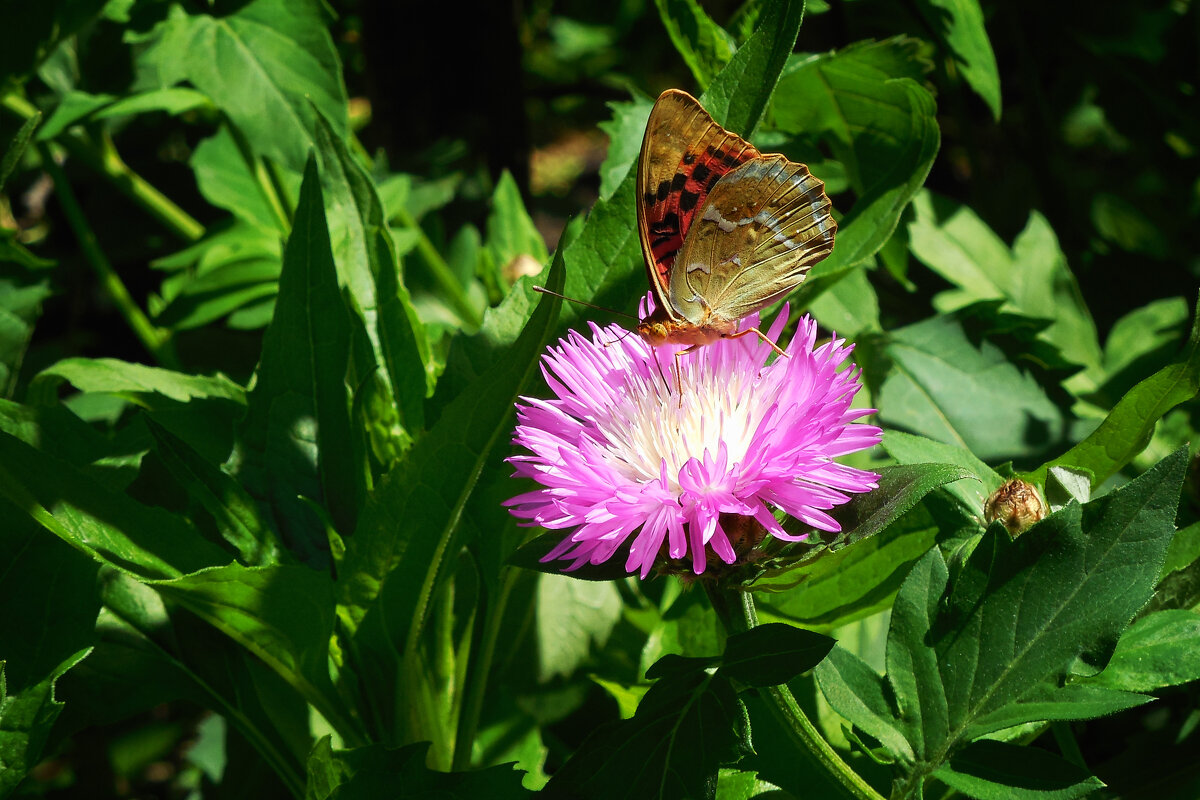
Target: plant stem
105,160
156,340
737,613
440,270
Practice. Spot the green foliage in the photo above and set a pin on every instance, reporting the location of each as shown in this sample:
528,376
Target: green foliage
264,315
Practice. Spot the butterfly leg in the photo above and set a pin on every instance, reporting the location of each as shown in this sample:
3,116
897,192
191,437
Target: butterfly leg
679,370
761,335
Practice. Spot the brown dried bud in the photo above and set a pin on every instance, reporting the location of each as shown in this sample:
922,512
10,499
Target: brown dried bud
1016,504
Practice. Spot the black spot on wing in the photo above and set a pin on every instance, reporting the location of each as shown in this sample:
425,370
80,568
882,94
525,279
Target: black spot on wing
689,158
678,182
687,200
664,189
700,173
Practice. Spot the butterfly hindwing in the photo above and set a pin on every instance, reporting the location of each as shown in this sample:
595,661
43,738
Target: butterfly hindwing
760,229
684,155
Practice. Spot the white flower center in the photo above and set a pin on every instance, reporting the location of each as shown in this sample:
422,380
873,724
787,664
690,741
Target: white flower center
654,421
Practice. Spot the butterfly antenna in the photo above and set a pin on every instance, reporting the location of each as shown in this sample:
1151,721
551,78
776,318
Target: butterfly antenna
544,290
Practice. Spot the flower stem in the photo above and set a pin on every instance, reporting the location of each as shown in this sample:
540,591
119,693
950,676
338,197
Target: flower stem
737,613
156,340
105,160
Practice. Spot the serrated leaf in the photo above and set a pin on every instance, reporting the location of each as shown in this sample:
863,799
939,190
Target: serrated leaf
25,721
685,727
1158,650
1018,612
950,389
128,379
267,66
869,559
998,771
1050,703
958,25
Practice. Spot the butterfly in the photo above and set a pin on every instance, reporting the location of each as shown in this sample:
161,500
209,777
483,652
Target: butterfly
725,229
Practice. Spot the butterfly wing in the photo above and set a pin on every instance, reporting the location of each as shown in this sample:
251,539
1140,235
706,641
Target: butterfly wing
761,228
684,155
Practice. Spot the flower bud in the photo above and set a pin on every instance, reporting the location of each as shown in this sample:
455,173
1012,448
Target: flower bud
1016,504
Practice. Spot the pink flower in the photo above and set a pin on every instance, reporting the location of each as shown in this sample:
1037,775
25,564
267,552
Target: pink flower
619,453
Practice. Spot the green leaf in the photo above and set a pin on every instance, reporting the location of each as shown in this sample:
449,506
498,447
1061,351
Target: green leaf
705,46
409,531
958,25
368,773
1143,332
32,31
625,131
1032,278
131,380
834,97
232,509
880,539
297,425
950,389
72,107
857,692
26,717
173,101
22,291
849,307
998,771
1158,650
226,180
1127,429
1019,612
684,728
367,264
909,449
41,579
283,614
1065,703
846,584
113,528
739,94
16,149
572,617
771,654
510,230
270,66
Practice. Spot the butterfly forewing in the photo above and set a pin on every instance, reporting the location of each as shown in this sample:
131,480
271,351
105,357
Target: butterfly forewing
760,229
684,155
